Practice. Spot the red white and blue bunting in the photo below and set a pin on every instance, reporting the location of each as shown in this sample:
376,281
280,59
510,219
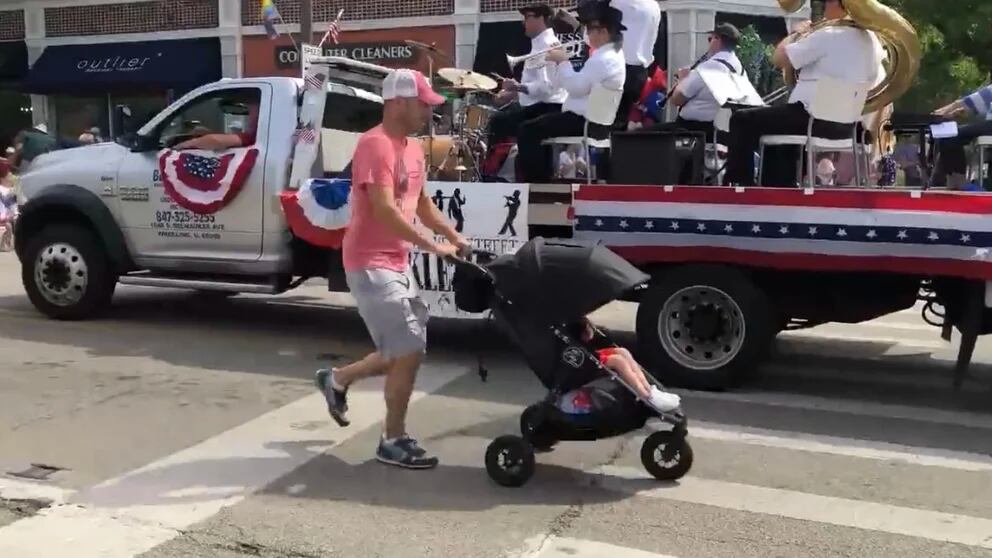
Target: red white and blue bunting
319,211
205,181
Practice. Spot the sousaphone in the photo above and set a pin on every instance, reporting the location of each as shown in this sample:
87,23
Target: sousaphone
897,36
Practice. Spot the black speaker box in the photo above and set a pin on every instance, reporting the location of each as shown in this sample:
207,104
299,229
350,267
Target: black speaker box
657,157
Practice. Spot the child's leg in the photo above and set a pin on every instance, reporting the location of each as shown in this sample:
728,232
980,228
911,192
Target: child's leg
635,368
629,375
633,376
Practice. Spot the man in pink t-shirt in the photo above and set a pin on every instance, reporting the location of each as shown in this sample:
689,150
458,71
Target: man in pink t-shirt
387,192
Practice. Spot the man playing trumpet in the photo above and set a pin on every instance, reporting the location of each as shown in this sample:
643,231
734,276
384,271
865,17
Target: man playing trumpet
605,67
535,94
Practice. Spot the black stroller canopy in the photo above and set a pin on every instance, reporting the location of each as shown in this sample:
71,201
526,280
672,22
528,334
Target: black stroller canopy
562,280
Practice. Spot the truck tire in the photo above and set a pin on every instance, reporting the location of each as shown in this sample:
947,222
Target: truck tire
66,273
704,327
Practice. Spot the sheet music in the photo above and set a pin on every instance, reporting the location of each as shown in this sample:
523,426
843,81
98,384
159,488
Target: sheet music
944,130
726,87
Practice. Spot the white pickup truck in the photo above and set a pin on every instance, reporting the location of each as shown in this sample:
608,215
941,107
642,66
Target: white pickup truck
98,215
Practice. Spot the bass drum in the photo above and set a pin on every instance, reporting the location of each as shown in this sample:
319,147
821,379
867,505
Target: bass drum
442,161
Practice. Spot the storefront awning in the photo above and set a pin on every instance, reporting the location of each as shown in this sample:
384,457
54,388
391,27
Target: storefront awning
116,67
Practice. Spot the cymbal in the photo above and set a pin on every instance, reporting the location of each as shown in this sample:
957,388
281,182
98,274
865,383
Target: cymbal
467,79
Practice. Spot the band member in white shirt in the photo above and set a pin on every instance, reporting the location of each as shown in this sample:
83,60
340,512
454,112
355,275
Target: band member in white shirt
697,106
605,67
842,53
642,19
535,94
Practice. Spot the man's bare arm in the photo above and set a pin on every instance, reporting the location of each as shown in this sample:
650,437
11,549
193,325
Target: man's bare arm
780,58
385,211
678,99
211,142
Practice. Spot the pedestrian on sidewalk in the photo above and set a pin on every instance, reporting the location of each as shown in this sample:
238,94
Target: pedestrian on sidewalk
388,177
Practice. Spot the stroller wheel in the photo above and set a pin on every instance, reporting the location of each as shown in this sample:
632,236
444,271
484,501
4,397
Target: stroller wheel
667,456
510,461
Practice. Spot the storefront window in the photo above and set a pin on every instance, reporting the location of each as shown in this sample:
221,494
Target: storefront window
75,115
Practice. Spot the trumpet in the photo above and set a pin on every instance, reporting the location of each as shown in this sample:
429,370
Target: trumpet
535,59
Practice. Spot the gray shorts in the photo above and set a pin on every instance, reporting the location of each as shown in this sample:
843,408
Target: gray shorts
390,304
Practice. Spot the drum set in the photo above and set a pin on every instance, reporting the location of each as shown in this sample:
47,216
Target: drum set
458,154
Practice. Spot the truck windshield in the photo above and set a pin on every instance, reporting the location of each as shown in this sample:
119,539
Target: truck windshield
351,114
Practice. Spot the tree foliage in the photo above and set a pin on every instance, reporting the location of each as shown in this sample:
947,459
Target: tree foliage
957,49
756,57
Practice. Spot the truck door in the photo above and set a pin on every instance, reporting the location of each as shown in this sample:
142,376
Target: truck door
163,231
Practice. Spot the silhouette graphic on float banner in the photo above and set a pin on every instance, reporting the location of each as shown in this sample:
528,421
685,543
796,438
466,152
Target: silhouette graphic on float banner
438,200
455,203
512,206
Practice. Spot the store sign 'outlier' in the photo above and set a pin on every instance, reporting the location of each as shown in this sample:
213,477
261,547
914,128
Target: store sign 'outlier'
114,64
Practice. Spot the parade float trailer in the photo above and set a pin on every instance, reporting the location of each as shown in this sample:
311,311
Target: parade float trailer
730,267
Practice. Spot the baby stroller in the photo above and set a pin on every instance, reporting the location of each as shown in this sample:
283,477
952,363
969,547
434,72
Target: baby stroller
532,294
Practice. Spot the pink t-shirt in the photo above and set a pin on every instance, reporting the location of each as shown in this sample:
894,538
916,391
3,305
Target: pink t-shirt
381,160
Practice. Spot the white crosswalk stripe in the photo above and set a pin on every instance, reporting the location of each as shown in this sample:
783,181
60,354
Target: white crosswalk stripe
927,457
899,520
553,546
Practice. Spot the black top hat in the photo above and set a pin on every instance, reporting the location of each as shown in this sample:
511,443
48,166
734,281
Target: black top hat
603,12
539,9
728,32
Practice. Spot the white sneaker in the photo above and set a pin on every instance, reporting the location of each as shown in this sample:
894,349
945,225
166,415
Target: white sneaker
663,402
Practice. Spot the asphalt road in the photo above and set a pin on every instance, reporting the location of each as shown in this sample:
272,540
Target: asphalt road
182,427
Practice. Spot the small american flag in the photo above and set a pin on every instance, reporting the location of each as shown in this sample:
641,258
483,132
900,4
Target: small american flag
333,30
333,33
315,81
306,135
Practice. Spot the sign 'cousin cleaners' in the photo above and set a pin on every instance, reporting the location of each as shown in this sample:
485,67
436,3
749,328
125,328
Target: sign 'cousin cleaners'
289,57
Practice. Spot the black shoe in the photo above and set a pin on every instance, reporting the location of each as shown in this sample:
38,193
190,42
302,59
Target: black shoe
405,452
337,401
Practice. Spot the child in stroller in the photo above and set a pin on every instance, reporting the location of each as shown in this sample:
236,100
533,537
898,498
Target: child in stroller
540,297
619,360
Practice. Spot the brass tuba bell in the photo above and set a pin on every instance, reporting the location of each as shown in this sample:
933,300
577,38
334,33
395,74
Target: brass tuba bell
895,33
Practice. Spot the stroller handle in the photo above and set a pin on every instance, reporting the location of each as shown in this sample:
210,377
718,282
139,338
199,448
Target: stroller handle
462,260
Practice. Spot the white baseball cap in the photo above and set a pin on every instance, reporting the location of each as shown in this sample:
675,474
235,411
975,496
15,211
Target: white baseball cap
409,84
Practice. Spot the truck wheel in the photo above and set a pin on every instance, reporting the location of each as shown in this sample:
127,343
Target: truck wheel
66,273
704,327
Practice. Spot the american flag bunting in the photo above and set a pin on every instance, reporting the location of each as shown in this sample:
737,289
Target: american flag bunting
789,228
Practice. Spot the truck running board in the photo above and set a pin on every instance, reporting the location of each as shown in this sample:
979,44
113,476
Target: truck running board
146,280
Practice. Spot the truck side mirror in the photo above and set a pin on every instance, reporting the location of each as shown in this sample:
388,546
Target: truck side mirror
143,144
122,120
